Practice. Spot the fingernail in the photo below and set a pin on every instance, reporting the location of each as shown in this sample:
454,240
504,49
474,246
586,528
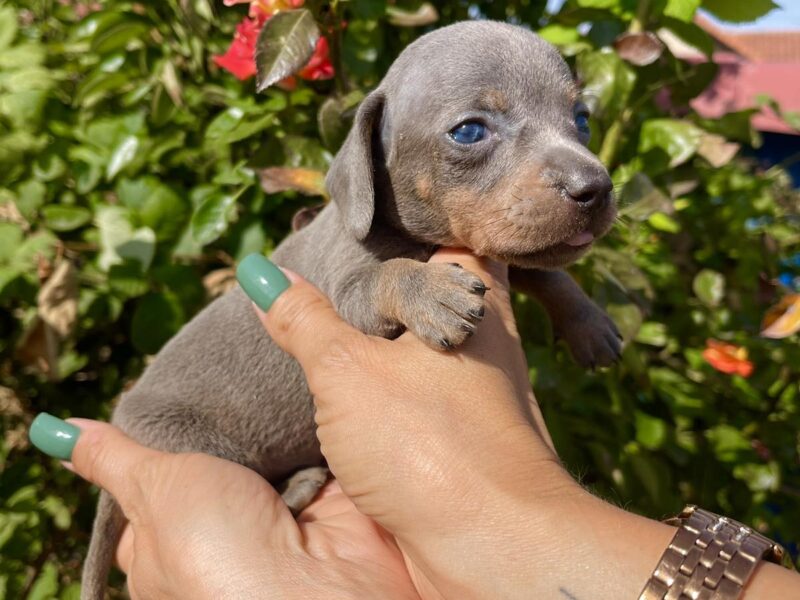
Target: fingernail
53,436
261,280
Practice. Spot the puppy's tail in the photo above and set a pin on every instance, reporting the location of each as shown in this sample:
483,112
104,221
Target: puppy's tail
109,524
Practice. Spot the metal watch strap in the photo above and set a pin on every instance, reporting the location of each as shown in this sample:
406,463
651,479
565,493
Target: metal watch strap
710,558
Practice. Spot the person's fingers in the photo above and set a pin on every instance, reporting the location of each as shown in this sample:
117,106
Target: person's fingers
124,554
296,315
110,459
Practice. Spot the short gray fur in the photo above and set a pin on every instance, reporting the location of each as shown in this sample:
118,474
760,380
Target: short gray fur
400,187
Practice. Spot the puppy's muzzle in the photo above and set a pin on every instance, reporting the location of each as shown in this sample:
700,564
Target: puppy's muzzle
578,176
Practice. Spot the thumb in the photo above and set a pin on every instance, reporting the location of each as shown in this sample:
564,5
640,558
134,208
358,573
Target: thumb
296,315
100,453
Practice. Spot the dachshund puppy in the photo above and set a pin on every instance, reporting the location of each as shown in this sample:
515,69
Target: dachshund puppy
475,138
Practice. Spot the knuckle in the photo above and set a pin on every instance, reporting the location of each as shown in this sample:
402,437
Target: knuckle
297,317
341,353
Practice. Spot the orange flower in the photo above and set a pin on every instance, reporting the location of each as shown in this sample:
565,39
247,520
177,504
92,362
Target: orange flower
270,7
728,358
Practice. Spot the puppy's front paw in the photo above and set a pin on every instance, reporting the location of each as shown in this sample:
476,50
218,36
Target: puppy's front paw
442,304
591,335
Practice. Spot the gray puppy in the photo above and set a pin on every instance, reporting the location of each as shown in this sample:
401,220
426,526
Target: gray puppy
474,138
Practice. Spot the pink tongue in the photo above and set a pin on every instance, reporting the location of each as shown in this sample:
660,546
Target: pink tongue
581,239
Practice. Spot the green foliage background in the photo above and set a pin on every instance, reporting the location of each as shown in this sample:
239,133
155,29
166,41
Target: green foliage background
124,150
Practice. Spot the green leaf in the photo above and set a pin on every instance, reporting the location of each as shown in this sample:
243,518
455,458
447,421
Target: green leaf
728,443
607,81
71,592
22,56
41,244
709,286
65,218
682,9
119,241
156,319
10,239
663,222
233,125
58,510
158,206
211,219
8,26
739,11
284,46
640,198
652,334
122,156
119,35
335,117
598,3
627,318
49,167
127,279
46,585
678,139
759,477
31,195
651,432
559,35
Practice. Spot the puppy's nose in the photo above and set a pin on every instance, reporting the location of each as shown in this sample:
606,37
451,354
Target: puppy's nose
588,187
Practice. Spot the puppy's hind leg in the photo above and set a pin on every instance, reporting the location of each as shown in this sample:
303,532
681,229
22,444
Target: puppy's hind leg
109,523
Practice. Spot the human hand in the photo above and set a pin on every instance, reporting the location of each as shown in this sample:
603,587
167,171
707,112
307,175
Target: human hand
450,453
202,527
447,450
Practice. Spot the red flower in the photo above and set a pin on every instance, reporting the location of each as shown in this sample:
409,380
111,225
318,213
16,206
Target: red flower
728,358
240,57
319,65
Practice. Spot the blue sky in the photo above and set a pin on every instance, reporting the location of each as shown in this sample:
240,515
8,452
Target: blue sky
786,17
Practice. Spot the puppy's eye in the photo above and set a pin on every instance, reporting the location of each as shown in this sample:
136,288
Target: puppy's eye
582,122
468,132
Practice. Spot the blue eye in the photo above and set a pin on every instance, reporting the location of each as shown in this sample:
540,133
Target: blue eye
582,122
469,132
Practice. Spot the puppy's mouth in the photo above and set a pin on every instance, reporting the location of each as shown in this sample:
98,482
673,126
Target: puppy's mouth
554,256
580,240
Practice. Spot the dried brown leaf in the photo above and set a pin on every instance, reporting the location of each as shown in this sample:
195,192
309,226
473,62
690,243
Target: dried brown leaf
220,281
717,150
280,179
57,301
639,49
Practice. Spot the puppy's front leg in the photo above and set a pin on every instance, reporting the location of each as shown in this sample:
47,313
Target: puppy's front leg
439,302
591,335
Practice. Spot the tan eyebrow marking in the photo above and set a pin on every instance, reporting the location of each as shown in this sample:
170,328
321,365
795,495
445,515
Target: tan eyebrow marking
494,101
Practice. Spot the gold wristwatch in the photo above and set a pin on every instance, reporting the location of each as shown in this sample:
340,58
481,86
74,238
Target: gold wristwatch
710,558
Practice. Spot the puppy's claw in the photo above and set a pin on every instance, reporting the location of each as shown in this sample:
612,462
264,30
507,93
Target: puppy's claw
479,288
476,314
445,344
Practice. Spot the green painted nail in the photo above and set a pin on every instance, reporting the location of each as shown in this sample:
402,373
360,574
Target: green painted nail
53,436
261,280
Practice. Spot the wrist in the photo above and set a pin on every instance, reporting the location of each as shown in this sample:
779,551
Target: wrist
556,541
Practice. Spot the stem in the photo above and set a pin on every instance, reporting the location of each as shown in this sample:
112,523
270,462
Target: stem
639,21
610,146
335,38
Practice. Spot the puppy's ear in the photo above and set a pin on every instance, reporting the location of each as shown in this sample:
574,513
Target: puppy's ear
351,178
